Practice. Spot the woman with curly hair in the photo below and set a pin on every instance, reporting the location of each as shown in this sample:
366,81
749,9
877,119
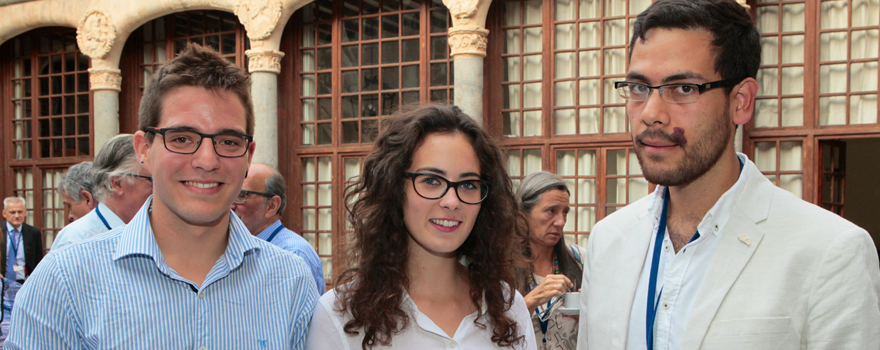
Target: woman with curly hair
436,241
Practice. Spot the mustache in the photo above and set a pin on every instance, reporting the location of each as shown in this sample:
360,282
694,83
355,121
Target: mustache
677,136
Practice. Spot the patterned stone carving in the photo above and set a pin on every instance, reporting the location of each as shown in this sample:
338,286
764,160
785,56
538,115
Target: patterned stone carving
463,10
264,61
470,41
105,79
96,34
259,17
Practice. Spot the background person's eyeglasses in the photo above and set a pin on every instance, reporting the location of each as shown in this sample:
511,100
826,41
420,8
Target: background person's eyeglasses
678,93
149,178
431,186
186,141
244,194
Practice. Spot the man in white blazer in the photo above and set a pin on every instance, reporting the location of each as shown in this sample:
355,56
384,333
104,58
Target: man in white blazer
717,257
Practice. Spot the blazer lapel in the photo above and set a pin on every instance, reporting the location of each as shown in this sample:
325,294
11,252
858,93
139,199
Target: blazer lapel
739,240
629,259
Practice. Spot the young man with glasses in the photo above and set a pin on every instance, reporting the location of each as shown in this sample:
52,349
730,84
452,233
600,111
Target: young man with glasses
259,205
717,257
184,273
119,187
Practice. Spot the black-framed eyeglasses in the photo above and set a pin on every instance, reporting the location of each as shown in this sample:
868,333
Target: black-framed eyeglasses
187,141
149,178
678,93
244,194
433,186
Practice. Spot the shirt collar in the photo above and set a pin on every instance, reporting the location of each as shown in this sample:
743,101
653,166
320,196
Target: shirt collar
9,227
137,239
264,235
717,216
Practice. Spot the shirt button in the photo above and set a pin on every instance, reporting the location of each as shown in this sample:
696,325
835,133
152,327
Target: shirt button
716,227
202,296
203,348
665,306
451,345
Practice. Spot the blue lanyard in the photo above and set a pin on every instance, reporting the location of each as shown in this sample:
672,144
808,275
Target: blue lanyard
274,233
652,282
15,245
98,211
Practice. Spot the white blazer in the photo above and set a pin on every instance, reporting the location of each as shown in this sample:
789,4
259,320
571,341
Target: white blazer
808,279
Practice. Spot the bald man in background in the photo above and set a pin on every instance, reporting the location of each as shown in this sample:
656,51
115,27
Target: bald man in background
260,204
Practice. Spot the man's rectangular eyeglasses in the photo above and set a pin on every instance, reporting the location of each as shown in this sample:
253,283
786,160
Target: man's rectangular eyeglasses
431,186
150,179
673,92
186,141
244,194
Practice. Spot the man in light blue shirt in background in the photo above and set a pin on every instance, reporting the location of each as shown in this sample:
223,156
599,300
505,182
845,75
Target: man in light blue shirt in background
184,273
121,185
260,204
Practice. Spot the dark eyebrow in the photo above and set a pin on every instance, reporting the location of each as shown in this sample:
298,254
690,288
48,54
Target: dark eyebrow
443,173
222,132
634,76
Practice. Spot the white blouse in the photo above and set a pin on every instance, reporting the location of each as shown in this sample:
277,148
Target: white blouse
326,331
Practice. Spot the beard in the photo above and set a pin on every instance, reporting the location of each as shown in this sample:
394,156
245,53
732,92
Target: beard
700,155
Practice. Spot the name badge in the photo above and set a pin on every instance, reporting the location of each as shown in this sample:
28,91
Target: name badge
18,268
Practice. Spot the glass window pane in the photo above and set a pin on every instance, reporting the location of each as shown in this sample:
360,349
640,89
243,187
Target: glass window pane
533,69
588,9
565,163
792,80
512,41
793,183
615,120
615,162
565,10
510,123
565,95
863,77
588,35
588,62
511,94
768,19
833,14
390,52
534,12
615,32
766,113
792,112
832,110
588,92
865,43
832,78
532,123
588,121
565,36
533,40
832,46
769,48
791,156
865,13
765,156
565,122
511,70
863,109
793,17
615,61
793,49
532,95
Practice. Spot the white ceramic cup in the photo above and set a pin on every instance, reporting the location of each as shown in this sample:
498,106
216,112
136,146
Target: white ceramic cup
571,300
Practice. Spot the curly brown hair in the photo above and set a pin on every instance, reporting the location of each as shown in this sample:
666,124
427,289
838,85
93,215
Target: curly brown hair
372,291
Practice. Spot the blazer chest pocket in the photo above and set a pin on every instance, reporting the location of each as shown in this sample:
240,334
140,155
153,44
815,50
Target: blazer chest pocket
751,333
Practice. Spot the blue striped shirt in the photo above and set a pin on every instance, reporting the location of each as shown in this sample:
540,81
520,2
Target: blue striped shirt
116,291
294,243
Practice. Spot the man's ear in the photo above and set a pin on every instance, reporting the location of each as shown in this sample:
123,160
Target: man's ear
116,184
742,107
141,145
274,204
90,200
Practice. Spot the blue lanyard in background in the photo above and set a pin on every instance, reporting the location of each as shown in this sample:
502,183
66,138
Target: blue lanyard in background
652,282
15,245
98,211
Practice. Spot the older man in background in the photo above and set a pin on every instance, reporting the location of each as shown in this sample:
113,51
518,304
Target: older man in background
76,188
260,204
122,185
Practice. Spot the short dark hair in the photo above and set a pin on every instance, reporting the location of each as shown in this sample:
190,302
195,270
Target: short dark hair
276,186
195,66
735,39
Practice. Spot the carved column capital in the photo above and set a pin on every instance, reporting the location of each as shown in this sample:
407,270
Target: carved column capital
259,17
264,61
469,41
95,34
105,79
743,3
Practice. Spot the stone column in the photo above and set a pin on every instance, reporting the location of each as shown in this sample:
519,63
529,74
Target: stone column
467,41
264,67
95,37
106,84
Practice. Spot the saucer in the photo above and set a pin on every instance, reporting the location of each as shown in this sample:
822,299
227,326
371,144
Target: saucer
569,312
